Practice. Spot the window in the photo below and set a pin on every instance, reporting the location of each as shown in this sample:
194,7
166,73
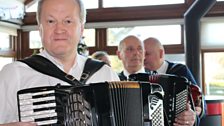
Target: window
212,43
31,8
5,44
93,4
211,33
167,34
116,63
177,58
127,3
35,40
89,37
89,4
11,10
214,73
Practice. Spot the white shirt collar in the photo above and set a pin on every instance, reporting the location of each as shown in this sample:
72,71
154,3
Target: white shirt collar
126,73
163,68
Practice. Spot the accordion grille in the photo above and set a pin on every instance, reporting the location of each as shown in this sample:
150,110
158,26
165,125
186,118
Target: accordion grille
77,111
157,119
156,111
181,100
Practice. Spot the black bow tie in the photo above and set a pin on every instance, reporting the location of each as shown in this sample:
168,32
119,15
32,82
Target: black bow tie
154,72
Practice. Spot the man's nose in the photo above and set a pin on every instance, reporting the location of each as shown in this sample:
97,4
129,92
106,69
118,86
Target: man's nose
60,28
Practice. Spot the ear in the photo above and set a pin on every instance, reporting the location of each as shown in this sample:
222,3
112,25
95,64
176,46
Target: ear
118,54
144,53
82,30
161,53
40,28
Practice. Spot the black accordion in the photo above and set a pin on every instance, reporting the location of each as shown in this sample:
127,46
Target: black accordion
98,104
175,93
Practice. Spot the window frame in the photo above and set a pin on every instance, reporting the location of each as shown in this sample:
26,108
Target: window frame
157,12
11,51
203,51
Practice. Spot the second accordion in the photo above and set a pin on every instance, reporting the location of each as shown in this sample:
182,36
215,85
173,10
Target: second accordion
99,104
176,92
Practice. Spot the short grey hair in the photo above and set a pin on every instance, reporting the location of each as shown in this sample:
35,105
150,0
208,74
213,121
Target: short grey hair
121,44
99,54
82,10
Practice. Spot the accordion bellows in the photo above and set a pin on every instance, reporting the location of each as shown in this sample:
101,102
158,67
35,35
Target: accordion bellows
98,104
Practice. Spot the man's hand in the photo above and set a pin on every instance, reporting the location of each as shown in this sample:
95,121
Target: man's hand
198,110
20,124
186,118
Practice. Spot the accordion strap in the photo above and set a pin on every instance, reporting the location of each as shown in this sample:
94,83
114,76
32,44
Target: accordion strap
91,66
45,66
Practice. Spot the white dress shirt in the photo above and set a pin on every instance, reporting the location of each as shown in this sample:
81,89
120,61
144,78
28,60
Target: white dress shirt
163,68
17,76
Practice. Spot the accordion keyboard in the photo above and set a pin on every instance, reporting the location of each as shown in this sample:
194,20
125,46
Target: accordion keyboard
49,106
39,107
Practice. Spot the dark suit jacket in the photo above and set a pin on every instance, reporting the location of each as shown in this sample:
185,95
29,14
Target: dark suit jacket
180,70
122,76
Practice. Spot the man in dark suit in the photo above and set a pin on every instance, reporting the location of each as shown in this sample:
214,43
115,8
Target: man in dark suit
155,61
131,53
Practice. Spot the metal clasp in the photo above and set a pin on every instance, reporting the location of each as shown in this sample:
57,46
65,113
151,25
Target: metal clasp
70,77
84,76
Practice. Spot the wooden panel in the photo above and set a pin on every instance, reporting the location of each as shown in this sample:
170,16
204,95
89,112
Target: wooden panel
136,13
7,53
